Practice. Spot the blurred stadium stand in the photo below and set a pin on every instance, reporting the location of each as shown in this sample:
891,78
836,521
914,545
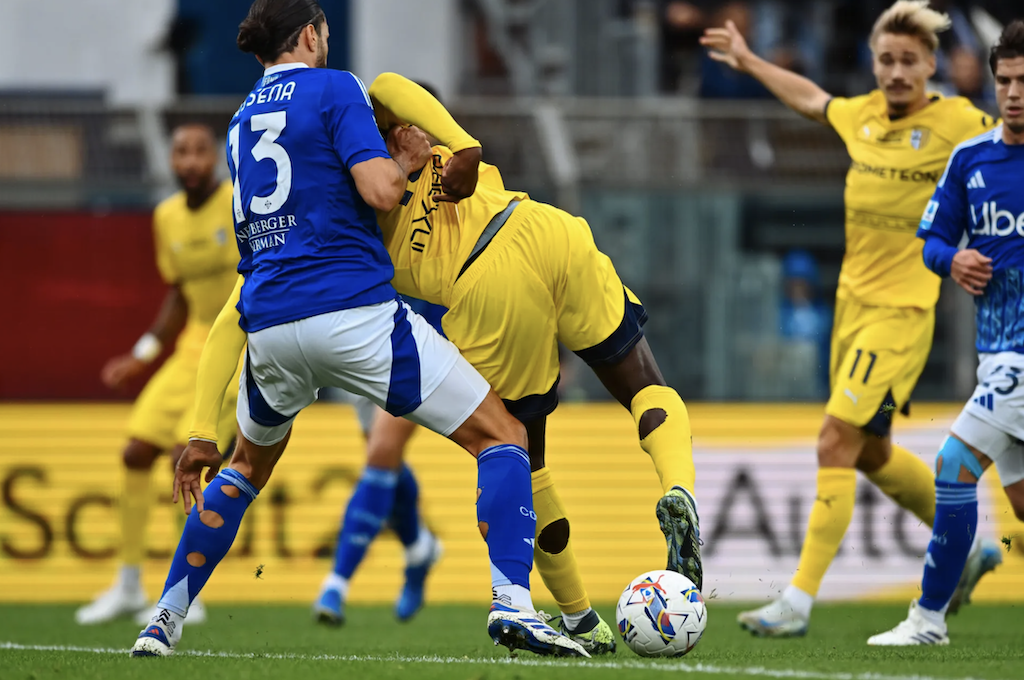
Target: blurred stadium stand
696,199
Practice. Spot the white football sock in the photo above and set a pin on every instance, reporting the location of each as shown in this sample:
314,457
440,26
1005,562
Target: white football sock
336,582
421,549
573,620
800,601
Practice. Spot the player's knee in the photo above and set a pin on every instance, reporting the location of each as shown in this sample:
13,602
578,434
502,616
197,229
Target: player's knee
139,455
651,420
954,457
554,537
839,444
512,431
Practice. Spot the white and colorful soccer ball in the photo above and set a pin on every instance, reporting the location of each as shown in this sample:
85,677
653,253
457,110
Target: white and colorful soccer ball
661,613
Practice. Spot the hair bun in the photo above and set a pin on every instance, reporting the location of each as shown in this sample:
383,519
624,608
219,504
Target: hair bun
254,36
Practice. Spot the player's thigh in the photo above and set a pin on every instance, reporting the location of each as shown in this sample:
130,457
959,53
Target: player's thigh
598,317
876,376
505,327
392,356
158,410
844,332
276,383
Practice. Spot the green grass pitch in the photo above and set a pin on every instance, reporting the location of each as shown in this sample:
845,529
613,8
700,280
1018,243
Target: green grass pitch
278,643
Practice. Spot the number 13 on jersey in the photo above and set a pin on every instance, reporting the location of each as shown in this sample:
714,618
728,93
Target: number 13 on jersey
266,148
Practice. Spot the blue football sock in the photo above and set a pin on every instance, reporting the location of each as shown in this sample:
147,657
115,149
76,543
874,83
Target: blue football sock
956,522
405,518
206,540
504,509
367,510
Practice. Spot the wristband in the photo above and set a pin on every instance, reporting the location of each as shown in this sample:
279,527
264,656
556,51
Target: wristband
147,348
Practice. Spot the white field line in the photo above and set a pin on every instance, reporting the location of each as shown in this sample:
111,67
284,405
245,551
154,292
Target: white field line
672,667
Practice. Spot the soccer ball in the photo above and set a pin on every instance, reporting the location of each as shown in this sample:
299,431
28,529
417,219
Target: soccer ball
661,613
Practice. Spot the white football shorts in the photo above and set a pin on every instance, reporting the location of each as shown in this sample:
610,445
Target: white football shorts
993,420
384,352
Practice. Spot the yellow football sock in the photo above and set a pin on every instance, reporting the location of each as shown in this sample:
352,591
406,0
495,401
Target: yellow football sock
670,444
135,504
909,481
552,551
830,517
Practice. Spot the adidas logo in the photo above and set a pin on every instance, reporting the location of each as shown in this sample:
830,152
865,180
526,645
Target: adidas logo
976,181
985,401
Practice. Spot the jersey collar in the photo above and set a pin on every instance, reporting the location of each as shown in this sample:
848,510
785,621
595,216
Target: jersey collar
287,66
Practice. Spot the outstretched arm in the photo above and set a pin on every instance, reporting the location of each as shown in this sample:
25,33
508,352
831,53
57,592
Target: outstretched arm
399,101
798,93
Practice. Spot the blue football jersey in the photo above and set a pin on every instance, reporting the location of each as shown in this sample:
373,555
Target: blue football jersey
309,244
980,195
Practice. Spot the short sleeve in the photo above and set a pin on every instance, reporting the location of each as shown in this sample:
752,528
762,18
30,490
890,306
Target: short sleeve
945,216
348,116
973,121
164,260
842,115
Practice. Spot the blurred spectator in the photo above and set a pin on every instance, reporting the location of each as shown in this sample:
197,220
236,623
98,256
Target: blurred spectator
804,318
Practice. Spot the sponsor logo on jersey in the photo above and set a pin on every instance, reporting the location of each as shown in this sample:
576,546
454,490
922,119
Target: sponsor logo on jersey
996,222
896,174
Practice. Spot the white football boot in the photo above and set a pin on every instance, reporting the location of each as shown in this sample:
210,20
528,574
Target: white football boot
160,636
120,601
526,629
777,619
915,630
196,614
984,559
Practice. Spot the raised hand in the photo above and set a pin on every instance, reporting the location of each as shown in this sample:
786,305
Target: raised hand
727,45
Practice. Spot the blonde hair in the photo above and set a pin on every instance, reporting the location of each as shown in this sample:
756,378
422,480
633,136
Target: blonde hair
914,18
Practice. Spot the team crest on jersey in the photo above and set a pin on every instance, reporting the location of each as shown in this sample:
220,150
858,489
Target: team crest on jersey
919,138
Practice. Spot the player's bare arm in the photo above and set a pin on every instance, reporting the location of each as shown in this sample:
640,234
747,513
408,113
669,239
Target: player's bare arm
728,46
168,323
382,181
971,270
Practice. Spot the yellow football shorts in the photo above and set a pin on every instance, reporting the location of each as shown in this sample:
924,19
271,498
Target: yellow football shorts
541,280
162,415
878,354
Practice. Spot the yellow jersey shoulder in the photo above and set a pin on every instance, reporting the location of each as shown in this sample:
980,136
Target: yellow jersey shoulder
957,119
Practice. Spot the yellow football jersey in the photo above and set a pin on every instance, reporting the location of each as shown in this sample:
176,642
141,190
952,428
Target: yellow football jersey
196,249
895,167
429,242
